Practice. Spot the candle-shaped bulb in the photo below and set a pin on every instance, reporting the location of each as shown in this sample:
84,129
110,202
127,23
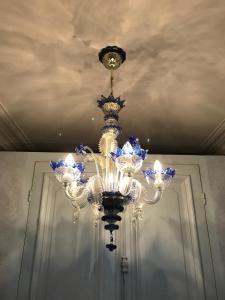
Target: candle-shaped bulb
69,160
128,149
157,166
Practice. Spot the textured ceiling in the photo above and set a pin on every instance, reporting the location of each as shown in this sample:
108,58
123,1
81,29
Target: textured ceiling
173,80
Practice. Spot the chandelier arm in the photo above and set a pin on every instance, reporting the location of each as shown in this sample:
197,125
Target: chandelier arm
95,186
79,196
94,158
75,205
137,189
157,196
96,213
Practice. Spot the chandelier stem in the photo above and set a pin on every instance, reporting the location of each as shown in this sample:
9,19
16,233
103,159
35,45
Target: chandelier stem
107,165
111,237
111,82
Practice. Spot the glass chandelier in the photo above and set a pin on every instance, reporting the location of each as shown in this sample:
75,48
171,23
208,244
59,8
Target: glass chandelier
114,186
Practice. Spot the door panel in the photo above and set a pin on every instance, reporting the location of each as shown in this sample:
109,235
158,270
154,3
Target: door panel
166,258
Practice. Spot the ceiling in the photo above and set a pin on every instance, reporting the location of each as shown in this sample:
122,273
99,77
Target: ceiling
173,80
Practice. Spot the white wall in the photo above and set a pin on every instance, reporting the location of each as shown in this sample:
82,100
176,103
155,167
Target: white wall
216,173
16,179
213,178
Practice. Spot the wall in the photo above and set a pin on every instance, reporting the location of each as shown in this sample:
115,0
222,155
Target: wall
17,174
15,182
214,181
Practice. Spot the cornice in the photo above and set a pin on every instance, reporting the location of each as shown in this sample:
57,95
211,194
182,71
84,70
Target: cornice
12,137
215,141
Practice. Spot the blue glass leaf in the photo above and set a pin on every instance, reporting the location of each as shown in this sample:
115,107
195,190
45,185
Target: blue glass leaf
137,149
168,173
60,163
119,151
53,165
133,140
110,98
149,172
79,166
106,127
113,156
80,149
144,153
56,164
83,180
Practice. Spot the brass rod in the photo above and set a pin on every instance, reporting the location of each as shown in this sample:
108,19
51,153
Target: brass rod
111,82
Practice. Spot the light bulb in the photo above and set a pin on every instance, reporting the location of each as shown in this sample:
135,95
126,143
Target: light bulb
158,176
127,148
69,160
125,185
157,166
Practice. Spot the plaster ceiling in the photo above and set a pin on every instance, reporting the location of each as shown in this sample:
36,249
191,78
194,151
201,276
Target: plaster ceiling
173,80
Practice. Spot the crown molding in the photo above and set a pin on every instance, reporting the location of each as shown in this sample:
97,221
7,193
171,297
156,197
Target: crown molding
215,142
12,136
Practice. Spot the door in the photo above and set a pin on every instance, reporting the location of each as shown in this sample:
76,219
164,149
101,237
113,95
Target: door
167,252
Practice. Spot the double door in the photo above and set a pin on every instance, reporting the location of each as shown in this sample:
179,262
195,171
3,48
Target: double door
164,256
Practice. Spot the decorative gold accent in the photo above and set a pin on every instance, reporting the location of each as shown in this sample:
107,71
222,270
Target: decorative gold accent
111,106
112,60
107,143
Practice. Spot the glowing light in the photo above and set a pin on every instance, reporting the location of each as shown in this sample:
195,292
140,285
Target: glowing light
127,148
125,185
157,166
69,160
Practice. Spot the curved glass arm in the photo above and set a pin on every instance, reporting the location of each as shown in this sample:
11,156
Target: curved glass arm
76,212
136,191
95,189
95,184
136,194
156,197
77,194
96,212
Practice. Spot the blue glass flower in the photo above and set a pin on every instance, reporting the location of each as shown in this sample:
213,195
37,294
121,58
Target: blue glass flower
150,173
131,147
167,173
61,163
103,100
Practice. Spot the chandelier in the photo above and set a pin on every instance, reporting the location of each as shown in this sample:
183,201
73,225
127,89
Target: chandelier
114,186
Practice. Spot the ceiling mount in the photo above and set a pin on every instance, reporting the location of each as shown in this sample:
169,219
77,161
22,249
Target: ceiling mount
112,57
